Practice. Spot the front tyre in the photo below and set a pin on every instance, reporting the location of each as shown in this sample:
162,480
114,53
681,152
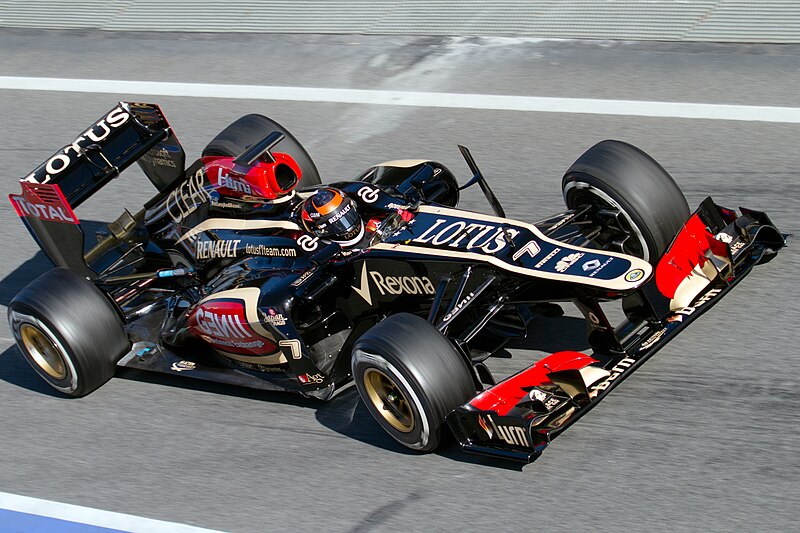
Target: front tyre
410,377
636,205
68,331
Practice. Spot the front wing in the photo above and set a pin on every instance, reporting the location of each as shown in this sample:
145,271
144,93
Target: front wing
517,418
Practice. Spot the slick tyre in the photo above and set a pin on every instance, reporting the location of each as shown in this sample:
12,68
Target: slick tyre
250,129
410,377
616,177
68,331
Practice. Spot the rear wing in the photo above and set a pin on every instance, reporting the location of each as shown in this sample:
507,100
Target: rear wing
130,132
122,136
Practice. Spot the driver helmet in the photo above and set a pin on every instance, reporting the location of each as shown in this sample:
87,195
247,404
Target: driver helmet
331,215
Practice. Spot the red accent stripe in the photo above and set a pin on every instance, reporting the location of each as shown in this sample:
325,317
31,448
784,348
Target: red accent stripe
507,394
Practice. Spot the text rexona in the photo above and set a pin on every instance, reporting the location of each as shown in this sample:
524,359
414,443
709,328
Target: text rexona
402,284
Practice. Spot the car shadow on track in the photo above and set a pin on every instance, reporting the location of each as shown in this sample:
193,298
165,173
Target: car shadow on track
16,371
39,264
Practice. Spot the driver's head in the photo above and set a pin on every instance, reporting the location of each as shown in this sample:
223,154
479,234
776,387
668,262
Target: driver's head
331,215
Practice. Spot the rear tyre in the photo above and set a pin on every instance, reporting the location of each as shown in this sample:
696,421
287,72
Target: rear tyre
250,129
410,377
616,177
68,331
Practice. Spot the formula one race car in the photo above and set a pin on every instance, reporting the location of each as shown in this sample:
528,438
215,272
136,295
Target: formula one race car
224,276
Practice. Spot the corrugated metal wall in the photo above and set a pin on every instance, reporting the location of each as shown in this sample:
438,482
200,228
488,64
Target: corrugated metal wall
766,21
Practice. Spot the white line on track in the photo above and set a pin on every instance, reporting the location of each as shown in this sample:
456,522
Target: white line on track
409,98
93,517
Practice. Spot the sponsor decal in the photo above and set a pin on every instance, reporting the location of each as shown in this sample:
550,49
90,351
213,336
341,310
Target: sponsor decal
548,257
221,325
304,277
225,180
738,245
592,264
632,276
311,379
724,237
44,202
547,400
532,248
308,243
652,340
368,194
538,395
182,366
215,201
397,285
486,427
274,318
339,215
618,369
567,261
159,157
217,249
514,435
467,235
601,267
392,285
96,133
190,195
294,346
686,311
560,222
459,306
269,251
224,325
259,367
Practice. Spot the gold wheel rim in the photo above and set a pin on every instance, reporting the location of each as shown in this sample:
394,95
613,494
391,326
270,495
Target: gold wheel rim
389,400
44,352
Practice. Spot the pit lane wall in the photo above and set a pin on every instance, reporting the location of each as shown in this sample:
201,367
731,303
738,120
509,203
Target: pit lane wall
757,21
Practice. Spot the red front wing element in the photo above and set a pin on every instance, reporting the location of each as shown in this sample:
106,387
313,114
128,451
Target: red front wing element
508,393
518,417
691,250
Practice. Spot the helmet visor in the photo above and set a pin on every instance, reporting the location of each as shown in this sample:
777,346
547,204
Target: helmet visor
341,223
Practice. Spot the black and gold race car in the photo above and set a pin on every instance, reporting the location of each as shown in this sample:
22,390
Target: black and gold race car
219,277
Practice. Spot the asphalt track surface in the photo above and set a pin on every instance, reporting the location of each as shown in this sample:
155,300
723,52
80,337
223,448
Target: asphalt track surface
703,437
